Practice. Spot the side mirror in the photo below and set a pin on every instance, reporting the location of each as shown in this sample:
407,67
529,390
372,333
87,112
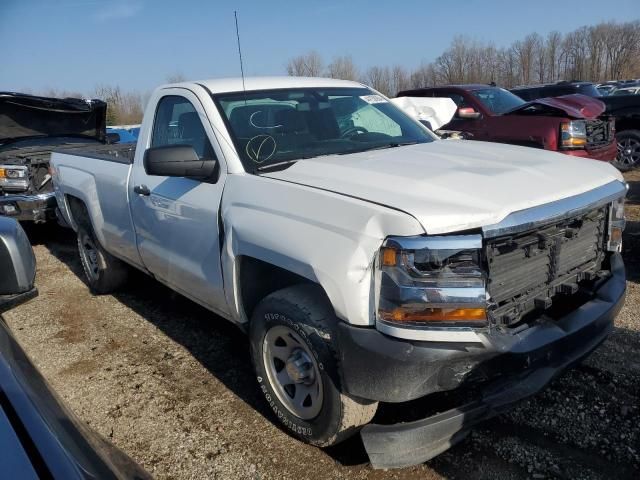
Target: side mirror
468,113
112,137
17,264
178,161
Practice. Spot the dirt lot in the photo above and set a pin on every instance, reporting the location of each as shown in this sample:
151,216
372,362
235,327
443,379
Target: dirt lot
171,385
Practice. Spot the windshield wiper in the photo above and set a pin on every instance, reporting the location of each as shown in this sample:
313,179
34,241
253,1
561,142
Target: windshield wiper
381,147
289,162
277,164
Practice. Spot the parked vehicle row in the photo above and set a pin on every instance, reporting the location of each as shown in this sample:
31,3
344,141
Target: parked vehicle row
34,126
350,243
570,124
610,88
625,109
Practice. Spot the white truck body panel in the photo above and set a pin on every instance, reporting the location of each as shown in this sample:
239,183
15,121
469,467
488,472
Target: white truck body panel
328,238
453,185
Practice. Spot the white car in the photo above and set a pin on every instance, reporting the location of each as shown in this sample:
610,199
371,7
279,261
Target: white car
626,91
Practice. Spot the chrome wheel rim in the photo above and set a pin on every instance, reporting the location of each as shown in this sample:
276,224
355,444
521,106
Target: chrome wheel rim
293,372
629,152
89,255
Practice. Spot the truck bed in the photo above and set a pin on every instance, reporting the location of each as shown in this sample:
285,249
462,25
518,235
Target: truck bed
119,152
98,175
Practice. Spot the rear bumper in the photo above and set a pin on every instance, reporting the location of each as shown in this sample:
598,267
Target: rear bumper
36,208
606,154
510,369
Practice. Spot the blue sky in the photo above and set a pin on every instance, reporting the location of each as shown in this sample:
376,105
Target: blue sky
77,44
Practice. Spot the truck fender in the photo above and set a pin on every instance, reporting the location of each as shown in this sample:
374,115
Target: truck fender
235,247
80,185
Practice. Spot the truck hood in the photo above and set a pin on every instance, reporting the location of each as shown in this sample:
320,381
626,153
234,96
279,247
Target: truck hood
575,106
26,116
453,185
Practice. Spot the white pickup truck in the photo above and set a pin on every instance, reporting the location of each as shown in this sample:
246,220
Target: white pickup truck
367,260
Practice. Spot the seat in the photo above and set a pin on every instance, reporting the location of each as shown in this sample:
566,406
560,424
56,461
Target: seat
292,131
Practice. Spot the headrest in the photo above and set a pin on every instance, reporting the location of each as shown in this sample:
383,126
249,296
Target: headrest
290,120
190,125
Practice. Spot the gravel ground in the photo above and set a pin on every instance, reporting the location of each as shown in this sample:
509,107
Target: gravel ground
172,386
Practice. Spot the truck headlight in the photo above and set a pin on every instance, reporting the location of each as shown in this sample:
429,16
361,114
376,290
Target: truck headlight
616,225
573,134
427,282
14,178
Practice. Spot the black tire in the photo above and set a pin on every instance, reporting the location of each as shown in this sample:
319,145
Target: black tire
305,310
628,156
104,273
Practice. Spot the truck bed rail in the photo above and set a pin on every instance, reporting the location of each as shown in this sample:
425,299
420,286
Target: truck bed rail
119,152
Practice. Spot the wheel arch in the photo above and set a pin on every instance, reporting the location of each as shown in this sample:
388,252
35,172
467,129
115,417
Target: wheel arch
272,278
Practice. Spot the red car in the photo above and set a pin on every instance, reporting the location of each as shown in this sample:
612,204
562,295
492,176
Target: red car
571,124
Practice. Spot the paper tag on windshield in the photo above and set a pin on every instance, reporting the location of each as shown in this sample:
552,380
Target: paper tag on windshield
371,99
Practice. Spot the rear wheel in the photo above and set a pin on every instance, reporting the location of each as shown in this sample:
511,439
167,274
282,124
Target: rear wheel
104,272
295,357
628,150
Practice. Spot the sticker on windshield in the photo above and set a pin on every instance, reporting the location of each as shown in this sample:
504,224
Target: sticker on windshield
371,99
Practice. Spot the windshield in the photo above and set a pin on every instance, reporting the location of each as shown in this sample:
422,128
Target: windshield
498,100
589,89
626,91
272,127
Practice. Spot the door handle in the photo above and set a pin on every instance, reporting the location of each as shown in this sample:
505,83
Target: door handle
142,190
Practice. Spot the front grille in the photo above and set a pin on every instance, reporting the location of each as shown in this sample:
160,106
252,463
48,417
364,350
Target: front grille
528,271
598,133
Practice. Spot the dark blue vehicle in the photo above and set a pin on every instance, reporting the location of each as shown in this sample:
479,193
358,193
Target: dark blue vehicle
135,131
39,437
125,135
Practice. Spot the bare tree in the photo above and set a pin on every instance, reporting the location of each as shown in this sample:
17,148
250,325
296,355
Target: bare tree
424,76
122,107
380,79
400,79
552,51
343,67
307,65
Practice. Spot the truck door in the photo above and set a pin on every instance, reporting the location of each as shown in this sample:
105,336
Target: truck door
176,219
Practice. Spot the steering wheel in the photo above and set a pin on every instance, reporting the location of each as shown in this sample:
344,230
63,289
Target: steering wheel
351,131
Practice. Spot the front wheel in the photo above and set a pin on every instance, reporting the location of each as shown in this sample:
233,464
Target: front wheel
628,156
295,357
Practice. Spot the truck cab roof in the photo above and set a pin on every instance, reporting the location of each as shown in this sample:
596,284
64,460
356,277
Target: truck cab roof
533,92
236,84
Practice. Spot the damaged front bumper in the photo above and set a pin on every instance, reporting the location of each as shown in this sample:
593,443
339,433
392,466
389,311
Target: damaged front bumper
510,367
36,208
606,153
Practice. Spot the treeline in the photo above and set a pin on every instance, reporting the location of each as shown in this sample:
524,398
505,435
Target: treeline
123,107
607,51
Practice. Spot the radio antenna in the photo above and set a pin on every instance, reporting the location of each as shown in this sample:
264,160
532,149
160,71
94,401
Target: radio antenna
235,14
